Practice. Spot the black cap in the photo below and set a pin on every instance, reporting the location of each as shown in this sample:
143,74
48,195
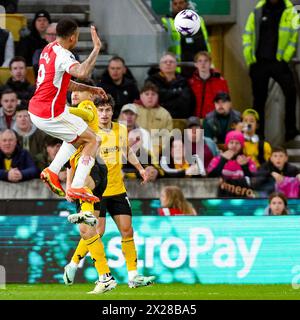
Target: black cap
42,13
224,96
193,122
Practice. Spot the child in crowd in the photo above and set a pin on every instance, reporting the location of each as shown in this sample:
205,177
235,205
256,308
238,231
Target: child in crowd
255,147
173,203
234,167
277,175
277,205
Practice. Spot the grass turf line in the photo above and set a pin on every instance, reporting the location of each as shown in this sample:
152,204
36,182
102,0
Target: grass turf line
174,291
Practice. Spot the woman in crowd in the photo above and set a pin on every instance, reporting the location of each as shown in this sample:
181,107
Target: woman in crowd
277,205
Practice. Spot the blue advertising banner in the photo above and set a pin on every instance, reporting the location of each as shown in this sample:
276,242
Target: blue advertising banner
207,250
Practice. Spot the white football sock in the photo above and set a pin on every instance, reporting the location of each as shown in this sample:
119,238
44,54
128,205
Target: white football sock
73,264
85,164
63,155
132,274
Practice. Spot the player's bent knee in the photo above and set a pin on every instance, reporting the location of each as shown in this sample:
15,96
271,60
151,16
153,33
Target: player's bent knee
87,232
127,232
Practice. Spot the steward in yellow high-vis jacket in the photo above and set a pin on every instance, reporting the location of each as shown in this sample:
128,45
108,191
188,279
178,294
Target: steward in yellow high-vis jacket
269,44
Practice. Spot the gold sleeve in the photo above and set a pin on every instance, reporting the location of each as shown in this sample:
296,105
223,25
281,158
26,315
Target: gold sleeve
85,114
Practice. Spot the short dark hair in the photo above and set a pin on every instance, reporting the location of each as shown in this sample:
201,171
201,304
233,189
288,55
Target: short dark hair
279,149
23,105
224,96
116,58
52,141
149,86
88,82
7,91
101,102
17,59
66,27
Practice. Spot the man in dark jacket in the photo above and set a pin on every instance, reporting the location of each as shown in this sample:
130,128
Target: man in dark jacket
175,95
222,120
18,82
16,164
118,81
35,40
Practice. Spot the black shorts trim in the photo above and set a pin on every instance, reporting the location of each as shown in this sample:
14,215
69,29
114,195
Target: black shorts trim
114,205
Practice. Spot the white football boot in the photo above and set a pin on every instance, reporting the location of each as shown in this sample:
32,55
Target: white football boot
103,286
85,217
140,281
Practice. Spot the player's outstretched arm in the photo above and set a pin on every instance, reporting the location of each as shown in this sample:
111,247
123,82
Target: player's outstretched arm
83,70
75,86
132,158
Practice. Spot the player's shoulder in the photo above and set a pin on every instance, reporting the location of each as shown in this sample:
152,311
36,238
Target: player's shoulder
87,105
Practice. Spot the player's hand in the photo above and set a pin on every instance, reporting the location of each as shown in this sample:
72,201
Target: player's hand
98,92
95,38
67,197
144,176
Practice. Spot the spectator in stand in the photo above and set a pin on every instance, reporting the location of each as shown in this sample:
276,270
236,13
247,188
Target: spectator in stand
222,120
270,42
7,48
174,162
36,38
150,114
16,163
9,102
193,144
175,95
206,83
277,205
11,6
30,138
118,81
255,147
185,48
277,175
51,147
18,82
128,117
233,167
50,36
174,203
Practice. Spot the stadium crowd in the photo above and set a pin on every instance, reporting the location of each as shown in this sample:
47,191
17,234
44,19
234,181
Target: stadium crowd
219,140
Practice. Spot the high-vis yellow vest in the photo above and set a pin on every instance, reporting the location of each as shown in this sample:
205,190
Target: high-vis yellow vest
287,33
175,36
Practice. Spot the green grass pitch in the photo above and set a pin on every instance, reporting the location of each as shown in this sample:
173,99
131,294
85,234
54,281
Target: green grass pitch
154,292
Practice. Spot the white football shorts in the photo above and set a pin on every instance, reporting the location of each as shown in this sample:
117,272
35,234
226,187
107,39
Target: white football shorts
66,126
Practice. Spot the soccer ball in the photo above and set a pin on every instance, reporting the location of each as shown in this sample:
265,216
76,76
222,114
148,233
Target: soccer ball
187,22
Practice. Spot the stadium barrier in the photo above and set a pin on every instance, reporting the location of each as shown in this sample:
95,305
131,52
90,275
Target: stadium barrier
206,250
191,187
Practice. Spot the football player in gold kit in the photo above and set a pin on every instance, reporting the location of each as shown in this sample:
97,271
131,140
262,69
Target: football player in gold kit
114,199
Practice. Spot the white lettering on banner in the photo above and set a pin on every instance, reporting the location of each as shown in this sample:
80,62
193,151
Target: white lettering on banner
248,256
151,243
224,257
165,249
114,247
194,248
225,252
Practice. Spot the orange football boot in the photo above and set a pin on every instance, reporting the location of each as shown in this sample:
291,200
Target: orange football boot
82,194
52,181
